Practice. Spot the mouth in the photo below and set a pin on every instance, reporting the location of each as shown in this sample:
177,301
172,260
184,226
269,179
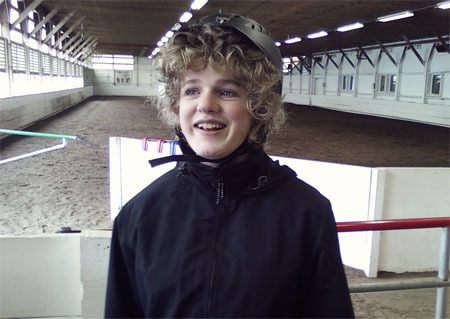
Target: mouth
209,126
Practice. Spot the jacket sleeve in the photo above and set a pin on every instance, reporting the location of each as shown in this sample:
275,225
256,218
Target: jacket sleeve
329,295
121,294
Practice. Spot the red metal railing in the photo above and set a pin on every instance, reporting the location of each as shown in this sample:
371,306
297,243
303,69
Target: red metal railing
391,224
442,280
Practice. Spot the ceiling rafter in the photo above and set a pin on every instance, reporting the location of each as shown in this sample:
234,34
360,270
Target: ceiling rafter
46,19
411,46
58,26
25,12
388,54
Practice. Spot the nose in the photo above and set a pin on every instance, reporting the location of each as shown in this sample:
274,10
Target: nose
207,103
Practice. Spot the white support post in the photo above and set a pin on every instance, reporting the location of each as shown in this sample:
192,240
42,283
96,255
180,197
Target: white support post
376,200
441,294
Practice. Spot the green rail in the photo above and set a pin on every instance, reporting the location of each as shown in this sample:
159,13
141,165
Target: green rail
36,134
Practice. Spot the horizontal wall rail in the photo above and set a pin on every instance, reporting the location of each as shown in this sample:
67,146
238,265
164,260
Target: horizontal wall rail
38,134
63,144
393,224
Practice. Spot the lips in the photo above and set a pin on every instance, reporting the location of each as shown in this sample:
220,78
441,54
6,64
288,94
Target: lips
209,125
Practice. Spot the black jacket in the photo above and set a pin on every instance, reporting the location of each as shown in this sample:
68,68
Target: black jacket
245,240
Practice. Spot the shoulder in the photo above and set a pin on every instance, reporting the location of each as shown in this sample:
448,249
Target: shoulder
295,188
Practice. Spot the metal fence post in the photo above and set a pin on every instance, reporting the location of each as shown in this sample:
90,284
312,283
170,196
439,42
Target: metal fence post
441,294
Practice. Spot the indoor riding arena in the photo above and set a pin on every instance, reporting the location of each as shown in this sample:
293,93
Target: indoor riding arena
368,125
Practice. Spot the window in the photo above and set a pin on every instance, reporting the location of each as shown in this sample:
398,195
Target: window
113,62
34,61
382,83
392,83
387,83
18,58
2,56
45,64
347,83
435,83
62,67
54,66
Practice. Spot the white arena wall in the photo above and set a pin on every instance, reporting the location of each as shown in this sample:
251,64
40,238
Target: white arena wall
142,81
19,112
324,82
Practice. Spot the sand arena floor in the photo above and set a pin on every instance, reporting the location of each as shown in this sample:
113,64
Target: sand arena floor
70,187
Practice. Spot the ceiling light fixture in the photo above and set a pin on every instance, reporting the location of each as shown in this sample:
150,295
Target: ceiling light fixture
278,44
292,40
176,27
348,27
185,17
169,34
396,16
164,39
443,5
160,43
319,34
198,4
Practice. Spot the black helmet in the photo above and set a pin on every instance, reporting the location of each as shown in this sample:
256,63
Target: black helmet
252,30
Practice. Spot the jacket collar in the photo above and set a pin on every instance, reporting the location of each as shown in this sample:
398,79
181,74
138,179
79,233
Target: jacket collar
253,171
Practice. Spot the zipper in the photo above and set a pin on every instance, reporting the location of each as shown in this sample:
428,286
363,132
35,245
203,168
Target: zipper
218,235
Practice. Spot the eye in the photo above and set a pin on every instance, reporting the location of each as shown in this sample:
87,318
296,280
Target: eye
191,91
228,93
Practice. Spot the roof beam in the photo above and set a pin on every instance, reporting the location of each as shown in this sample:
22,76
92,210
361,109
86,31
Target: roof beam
87,48
305,64
385,51
63,36
58,26
330,58
316,60
72,39
74,45
45,20
83,44
446,46
25,12
366,56
413,49
295,65
347,58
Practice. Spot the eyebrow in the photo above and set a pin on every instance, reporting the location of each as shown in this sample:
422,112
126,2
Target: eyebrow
219,82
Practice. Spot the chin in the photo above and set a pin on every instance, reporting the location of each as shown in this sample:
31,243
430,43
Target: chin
211,155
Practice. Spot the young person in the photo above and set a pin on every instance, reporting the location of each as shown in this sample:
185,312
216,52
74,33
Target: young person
228,232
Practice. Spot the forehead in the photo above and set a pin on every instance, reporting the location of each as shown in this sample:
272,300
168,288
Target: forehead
207,74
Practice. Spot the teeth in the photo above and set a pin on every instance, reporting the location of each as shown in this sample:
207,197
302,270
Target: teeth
210,126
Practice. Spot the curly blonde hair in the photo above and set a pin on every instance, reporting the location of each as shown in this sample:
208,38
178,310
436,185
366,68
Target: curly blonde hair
220,49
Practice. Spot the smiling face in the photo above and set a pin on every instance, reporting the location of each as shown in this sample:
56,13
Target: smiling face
212,113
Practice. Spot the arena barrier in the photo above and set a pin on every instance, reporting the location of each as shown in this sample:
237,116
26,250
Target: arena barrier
64,275
441,282
356,193
64,139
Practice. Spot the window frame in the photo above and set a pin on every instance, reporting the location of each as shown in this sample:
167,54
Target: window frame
430,85
387,83
347,83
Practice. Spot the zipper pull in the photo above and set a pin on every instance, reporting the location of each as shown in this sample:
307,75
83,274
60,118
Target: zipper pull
219,196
